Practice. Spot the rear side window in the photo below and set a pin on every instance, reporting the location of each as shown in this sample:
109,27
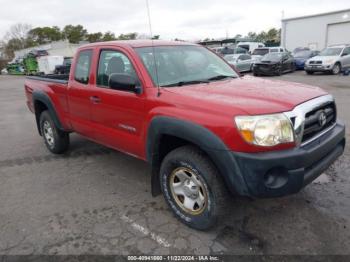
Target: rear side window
82,69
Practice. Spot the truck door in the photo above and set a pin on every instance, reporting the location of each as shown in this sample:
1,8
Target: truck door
117,115
80,94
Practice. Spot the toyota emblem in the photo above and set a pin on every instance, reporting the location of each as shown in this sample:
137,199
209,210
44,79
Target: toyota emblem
322,119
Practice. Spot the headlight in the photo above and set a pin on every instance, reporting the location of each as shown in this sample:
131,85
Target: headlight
265,130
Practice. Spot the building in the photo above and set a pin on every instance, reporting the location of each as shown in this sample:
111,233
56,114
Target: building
316,31
61,48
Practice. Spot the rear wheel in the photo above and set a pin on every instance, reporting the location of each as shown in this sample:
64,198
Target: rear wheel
55,140
193,188
336,69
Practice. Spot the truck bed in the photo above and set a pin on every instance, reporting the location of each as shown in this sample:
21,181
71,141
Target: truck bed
62,79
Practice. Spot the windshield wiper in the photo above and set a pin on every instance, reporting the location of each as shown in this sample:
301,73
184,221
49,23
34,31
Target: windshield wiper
219,77
182,83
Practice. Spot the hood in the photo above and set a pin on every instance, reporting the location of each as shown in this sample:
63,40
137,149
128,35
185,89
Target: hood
323,58
248,95
301,59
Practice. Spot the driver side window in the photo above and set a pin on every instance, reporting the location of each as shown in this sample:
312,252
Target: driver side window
112,62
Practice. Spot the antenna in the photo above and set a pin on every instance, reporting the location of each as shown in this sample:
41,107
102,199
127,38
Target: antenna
153,49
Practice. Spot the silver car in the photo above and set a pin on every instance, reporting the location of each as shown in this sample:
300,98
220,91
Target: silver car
332,59
243,62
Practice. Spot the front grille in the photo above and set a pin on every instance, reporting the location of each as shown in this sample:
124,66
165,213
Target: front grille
316,62
318,120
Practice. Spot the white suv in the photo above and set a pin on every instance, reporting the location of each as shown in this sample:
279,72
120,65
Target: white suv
332,59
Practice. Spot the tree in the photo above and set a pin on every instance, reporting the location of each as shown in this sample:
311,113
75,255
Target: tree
109,36
42,35
17,38
130,36
272,36
74,34
18,31
94,37
252,36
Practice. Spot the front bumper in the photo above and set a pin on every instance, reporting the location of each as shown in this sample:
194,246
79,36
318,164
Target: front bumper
267,70
300,65
275,174
318,68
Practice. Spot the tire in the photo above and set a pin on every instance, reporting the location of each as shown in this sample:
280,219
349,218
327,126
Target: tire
279,72
188,167
336,69
293,68
309,72
55,140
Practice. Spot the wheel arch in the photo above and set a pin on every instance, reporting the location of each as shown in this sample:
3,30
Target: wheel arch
42,102
166,133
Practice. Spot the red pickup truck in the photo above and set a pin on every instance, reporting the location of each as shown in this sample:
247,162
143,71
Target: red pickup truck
205,130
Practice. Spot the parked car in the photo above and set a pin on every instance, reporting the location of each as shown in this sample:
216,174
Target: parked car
299,49
243,62
301,57
250,46
37,53
258,53
277,49
274,64
332,59
65,67
203,129
232,50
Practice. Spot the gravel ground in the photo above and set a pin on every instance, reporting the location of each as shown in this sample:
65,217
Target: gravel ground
97,201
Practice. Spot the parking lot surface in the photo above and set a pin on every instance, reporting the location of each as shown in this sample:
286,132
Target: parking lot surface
94,200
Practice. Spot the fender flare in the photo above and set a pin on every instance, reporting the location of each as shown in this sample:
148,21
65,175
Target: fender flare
200,136
39,96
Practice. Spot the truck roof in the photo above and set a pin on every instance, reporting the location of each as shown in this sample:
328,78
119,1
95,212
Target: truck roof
139,43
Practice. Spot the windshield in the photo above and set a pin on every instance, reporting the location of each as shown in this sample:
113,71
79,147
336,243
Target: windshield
331,52
183,64
272,57
303,54
260,51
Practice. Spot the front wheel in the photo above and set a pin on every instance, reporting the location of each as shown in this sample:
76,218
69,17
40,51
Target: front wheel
336,69
193,188
55,140
309,72
293,68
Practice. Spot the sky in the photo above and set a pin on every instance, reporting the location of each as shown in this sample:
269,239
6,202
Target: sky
189,20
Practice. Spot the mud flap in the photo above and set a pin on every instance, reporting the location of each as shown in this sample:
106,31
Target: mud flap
155,183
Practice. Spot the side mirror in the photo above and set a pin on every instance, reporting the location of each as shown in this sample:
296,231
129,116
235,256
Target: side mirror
344,54
124,82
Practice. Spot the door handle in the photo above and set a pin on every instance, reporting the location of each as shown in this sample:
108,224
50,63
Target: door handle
95,99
